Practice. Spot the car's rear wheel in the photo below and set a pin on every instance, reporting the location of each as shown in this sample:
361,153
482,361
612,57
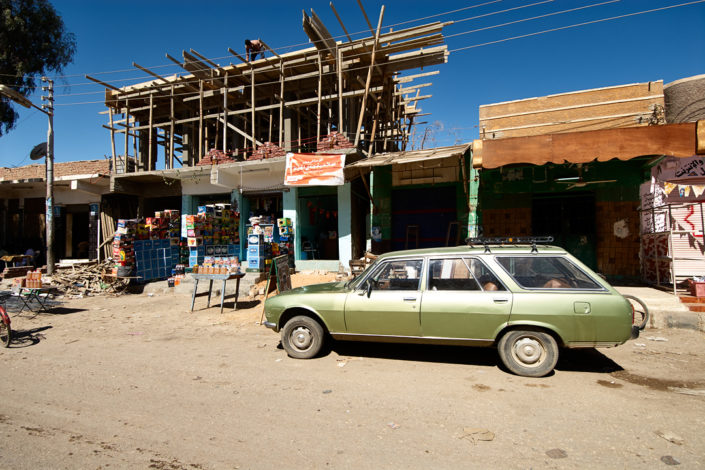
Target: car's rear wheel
302,337
529,353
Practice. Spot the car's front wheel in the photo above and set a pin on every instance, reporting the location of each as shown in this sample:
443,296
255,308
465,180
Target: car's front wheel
529,353
302,337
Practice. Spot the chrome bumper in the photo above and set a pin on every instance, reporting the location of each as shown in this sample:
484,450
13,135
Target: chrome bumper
270,325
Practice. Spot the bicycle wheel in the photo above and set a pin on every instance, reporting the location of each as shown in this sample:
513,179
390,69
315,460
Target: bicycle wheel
641,312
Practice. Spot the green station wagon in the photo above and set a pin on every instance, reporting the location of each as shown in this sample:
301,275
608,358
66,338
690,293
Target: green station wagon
524,299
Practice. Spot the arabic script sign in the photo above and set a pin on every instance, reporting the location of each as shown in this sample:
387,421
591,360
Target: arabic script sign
314,170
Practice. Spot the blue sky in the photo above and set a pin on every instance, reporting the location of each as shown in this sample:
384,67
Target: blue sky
667,45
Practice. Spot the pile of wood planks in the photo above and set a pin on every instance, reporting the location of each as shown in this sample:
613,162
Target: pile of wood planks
89,280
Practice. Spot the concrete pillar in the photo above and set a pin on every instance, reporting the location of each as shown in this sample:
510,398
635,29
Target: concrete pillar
290,201
287,131
344,225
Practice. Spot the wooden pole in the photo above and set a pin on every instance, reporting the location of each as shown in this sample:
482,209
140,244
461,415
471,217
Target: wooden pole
339,56
171,131
252,100
320,92
369,77
112,138
127,136
225,115
281,103
199,152
151,131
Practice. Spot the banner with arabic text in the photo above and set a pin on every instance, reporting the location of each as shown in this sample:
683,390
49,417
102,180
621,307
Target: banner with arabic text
314,170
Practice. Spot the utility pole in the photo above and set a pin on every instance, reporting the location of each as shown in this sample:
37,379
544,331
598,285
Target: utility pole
49,109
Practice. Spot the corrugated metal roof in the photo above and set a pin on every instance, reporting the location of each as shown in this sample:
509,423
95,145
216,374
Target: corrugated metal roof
394,158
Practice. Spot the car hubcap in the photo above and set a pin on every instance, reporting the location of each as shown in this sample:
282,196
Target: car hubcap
528,350
301,338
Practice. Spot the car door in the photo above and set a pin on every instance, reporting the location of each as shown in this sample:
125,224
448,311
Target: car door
391,305
557,293
463,299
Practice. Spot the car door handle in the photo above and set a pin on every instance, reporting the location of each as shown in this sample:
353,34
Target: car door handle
500,300
409,299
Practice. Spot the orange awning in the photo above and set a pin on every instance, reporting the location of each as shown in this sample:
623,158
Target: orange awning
678,140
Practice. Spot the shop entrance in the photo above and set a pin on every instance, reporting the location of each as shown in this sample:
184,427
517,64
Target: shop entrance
318,224
423,215
570,219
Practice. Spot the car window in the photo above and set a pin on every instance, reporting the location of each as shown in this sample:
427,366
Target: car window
461,274
487,279
546,272
451,274
398,275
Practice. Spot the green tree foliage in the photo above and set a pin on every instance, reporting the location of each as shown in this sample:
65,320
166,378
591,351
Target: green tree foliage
33,41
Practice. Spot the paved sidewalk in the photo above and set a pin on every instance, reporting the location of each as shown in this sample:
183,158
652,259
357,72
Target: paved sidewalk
666,310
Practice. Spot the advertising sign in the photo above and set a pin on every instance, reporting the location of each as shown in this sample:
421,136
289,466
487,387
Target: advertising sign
314,170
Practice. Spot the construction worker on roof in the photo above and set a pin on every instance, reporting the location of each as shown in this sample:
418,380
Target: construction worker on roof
252,48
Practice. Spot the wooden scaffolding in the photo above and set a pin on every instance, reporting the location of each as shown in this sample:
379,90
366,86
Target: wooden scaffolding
333,95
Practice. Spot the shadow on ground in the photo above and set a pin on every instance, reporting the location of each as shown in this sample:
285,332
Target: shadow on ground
30,337
573,360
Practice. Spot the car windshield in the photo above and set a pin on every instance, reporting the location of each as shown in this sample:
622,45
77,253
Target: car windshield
546,272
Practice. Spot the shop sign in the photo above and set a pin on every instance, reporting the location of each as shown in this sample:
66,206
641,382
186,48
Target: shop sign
314,170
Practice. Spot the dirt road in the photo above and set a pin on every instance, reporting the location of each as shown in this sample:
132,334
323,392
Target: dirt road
139,382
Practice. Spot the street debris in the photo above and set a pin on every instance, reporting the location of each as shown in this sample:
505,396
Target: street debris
670,437
557,453
327,391
477,434
393,425
669,460
656,338
88,279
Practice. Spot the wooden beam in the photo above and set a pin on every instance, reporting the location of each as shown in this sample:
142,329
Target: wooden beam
102,83
199,154
340,21
112,138
237,55
364,13
171,131
149,72
369,76
204,58
239,131
252,100
151,131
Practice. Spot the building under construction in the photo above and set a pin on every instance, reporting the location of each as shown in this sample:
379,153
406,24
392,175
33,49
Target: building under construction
339,93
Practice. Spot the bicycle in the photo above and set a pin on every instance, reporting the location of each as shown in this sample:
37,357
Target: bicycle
5,328
640,312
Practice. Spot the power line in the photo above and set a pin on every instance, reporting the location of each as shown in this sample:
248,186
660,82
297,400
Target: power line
601,20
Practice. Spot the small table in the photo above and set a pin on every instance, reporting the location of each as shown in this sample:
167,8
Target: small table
27,295
217,277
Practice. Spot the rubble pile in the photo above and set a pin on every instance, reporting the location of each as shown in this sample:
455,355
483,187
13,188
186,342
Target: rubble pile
267,150
333,141
88,280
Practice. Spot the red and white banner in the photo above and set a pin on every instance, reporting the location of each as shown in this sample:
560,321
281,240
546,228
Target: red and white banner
304,169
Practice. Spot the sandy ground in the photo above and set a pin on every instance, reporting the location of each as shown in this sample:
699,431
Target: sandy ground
138,381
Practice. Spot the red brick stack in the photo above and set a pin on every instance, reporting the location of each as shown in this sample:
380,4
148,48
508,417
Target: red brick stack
267,150
333,141
215,156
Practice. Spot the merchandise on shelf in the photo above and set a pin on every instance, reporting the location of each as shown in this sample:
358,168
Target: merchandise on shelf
213,231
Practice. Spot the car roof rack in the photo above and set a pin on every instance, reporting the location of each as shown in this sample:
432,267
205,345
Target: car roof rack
487,241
